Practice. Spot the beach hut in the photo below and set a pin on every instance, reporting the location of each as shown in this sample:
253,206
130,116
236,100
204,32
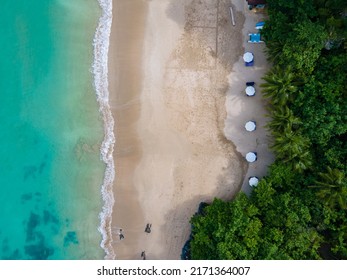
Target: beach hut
253,181
251,157
251,126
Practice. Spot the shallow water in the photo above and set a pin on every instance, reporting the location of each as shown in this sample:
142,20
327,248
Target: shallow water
51,131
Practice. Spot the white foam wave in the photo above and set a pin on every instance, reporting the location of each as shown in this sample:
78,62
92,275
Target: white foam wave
100,71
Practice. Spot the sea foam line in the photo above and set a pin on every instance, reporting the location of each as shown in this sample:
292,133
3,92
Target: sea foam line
100,71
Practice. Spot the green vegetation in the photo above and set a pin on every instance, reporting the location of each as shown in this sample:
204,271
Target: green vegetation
332,188
299,210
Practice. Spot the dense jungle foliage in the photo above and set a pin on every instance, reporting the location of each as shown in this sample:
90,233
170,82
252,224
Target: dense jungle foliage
299,210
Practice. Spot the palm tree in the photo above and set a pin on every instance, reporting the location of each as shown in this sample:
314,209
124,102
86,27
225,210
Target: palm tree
279,85
332,188
302,161
282,118
292,148
274,50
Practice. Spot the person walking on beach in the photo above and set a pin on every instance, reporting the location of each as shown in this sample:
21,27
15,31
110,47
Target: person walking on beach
143,255
148,228
121,235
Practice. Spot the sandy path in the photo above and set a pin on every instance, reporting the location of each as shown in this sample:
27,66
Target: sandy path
241,108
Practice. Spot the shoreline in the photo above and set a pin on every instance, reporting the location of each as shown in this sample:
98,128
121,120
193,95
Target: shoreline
100,72
126,47
171,152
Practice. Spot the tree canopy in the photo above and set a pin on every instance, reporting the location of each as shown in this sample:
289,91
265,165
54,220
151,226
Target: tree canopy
268,225
297,211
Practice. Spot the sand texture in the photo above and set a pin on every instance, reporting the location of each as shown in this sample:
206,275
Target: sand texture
176,79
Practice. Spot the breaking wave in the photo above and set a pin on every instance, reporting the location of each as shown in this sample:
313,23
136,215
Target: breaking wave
100,70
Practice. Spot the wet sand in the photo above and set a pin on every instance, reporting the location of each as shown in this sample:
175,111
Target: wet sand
125,81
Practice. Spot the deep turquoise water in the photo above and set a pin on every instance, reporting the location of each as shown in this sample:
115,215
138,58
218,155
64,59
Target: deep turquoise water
51,131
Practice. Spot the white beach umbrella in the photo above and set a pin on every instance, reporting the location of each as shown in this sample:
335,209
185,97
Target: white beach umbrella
253,181
250,126
250,91
251,157
248,57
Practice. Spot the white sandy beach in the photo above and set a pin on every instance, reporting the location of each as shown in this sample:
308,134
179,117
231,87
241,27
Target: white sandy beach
173,63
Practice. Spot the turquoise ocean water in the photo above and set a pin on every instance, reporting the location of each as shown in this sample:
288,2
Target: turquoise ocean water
51,131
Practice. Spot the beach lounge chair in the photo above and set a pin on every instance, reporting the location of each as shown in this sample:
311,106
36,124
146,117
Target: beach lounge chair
249,63
259,25
254,38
